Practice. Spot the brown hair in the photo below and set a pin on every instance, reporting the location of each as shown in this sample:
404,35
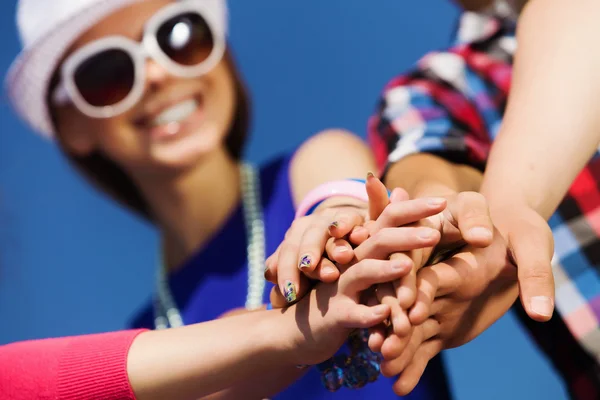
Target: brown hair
109,177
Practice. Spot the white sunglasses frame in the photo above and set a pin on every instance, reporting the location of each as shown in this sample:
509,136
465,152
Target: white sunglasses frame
67,91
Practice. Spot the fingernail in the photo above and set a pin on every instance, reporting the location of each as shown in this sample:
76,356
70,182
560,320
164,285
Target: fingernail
481,232
266,268
305,262
398,265
370,175
436,201
380,310
542,305
334,224
289,292
341,249
426,234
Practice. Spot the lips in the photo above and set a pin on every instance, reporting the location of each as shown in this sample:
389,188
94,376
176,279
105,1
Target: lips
176,113
170,107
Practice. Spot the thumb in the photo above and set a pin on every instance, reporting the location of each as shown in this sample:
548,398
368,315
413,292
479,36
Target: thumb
378,196
470,214
531,250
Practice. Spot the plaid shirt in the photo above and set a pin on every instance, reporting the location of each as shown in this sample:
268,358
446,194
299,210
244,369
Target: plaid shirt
451,105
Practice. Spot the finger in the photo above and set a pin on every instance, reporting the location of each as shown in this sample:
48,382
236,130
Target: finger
395,365
312,246
376,333
276,298
361,316
271,266
399,194
427,285
376,337
469,211
378,196
406,288
410,377
532,253
408,212
394,240
446,277
450,275
343,222
367,273
339,250
393,346
325,271
358,235
399,319
288,275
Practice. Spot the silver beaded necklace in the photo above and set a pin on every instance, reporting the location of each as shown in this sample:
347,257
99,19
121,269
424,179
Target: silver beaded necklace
166,313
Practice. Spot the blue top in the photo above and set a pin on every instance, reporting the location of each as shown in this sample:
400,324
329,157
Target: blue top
219,271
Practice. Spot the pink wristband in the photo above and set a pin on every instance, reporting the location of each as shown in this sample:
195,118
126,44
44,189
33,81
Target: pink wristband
348,188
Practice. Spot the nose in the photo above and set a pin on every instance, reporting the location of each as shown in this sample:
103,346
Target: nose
155,74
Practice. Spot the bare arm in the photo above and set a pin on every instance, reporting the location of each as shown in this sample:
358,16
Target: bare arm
330,155
552,125
198,360
428,175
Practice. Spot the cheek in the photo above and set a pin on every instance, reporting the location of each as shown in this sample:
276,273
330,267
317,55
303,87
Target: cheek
78,134
117,140
226,96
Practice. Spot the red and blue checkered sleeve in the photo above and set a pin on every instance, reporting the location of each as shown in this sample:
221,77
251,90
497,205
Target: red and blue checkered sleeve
450,105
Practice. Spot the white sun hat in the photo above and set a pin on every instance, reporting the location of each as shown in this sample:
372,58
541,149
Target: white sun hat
47,29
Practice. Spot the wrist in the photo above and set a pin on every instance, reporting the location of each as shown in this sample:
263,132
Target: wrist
341,202
277,335
350,188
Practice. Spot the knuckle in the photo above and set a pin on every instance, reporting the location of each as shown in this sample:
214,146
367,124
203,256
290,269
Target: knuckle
470,214
289,247
387,369
381,237
539,274
302,222
328,212
364,318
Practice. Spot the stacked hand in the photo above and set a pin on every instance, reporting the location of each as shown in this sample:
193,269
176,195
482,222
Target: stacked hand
471,284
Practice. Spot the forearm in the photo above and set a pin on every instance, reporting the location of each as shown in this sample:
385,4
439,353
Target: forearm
328,156
199,360
260,387
551,127
429,175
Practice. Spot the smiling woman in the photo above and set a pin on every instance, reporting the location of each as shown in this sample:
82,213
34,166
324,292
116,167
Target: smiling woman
144,98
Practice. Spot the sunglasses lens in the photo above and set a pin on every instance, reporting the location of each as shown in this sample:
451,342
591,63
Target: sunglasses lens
186,39
105,78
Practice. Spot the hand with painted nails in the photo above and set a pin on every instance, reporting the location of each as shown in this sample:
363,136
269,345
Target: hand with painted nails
323,320
299,258
334,232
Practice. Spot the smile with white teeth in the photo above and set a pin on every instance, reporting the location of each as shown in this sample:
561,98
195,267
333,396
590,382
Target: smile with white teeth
176,113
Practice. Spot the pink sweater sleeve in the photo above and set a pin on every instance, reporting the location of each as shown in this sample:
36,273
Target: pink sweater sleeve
79,367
